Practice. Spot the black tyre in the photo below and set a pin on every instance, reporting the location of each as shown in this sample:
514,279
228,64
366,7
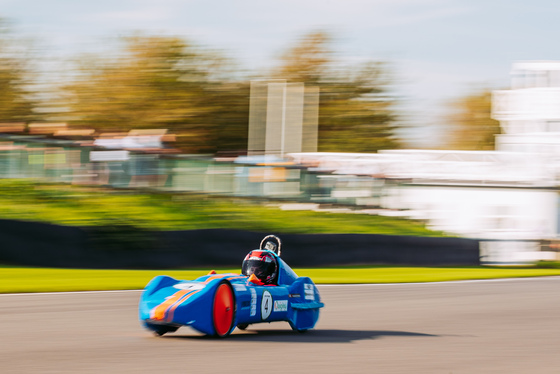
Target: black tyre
160,330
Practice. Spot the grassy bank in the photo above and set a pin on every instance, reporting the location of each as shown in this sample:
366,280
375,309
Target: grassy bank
16,279
81,206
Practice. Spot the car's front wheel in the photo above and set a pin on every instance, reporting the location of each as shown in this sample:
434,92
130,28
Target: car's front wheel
223,310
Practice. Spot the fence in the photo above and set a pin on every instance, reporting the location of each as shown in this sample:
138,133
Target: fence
70,162
60,246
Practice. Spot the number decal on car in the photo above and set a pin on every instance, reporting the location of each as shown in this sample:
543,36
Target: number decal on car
189,286
266,305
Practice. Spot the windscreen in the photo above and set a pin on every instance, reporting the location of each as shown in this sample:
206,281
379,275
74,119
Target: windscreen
260,268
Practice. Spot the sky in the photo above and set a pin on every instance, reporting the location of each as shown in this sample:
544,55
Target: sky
439,50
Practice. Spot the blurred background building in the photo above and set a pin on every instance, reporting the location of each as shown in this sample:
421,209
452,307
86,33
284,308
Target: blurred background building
507,197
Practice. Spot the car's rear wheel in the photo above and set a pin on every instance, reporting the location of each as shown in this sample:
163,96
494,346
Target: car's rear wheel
223,310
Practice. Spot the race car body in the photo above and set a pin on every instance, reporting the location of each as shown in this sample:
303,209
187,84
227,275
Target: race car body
216,303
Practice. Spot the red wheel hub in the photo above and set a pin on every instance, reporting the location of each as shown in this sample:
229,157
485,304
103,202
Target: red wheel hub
223,309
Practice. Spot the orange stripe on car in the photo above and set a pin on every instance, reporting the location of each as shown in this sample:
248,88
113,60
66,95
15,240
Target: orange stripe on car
223,276
167,308
171,310
158,313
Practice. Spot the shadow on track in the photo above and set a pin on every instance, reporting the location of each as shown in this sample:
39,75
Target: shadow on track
312,336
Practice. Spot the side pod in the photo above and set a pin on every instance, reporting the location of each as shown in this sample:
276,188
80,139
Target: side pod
305,303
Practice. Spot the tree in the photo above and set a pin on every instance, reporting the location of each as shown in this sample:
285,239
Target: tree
355,109
166,82
16,104
307,61
159,82
472,126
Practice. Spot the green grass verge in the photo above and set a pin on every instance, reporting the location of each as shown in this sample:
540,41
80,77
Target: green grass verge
384,274
16,279
131,210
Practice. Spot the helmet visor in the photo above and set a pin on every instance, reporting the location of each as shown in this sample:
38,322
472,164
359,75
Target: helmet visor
260,268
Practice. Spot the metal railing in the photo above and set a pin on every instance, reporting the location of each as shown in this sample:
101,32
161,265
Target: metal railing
61,161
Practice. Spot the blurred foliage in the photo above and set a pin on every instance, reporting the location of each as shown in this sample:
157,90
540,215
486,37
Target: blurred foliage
81,206
161,82
16,104
196,93
308,61
355,107
473,129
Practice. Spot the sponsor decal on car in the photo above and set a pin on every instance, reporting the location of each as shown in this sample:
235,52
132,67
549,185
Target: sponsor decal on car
239,287
253,302
309,291
281,306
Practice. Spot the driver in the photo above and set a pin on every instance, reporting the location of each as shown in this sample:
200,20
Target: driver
263,265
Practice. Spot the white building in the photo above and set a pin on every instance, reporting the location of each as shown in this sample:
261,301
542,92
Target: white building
508,197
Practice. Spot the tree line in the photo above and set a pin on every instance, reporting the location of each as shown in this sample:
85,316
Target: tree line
198,94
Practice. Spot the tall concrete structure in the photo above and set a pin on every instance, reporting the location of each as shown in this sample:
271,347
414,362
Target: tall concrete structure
283,118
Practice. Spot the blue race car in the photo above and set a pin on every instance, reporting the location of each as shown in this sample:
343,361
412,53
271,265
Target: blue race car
268,290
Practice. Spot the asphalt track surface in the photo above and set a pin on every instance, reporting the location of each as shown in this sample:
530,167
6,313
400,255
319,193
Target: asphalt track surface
510,326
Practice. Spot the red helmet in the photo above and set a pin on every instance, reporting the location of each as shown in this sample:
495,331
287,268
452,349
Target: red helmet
261,263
